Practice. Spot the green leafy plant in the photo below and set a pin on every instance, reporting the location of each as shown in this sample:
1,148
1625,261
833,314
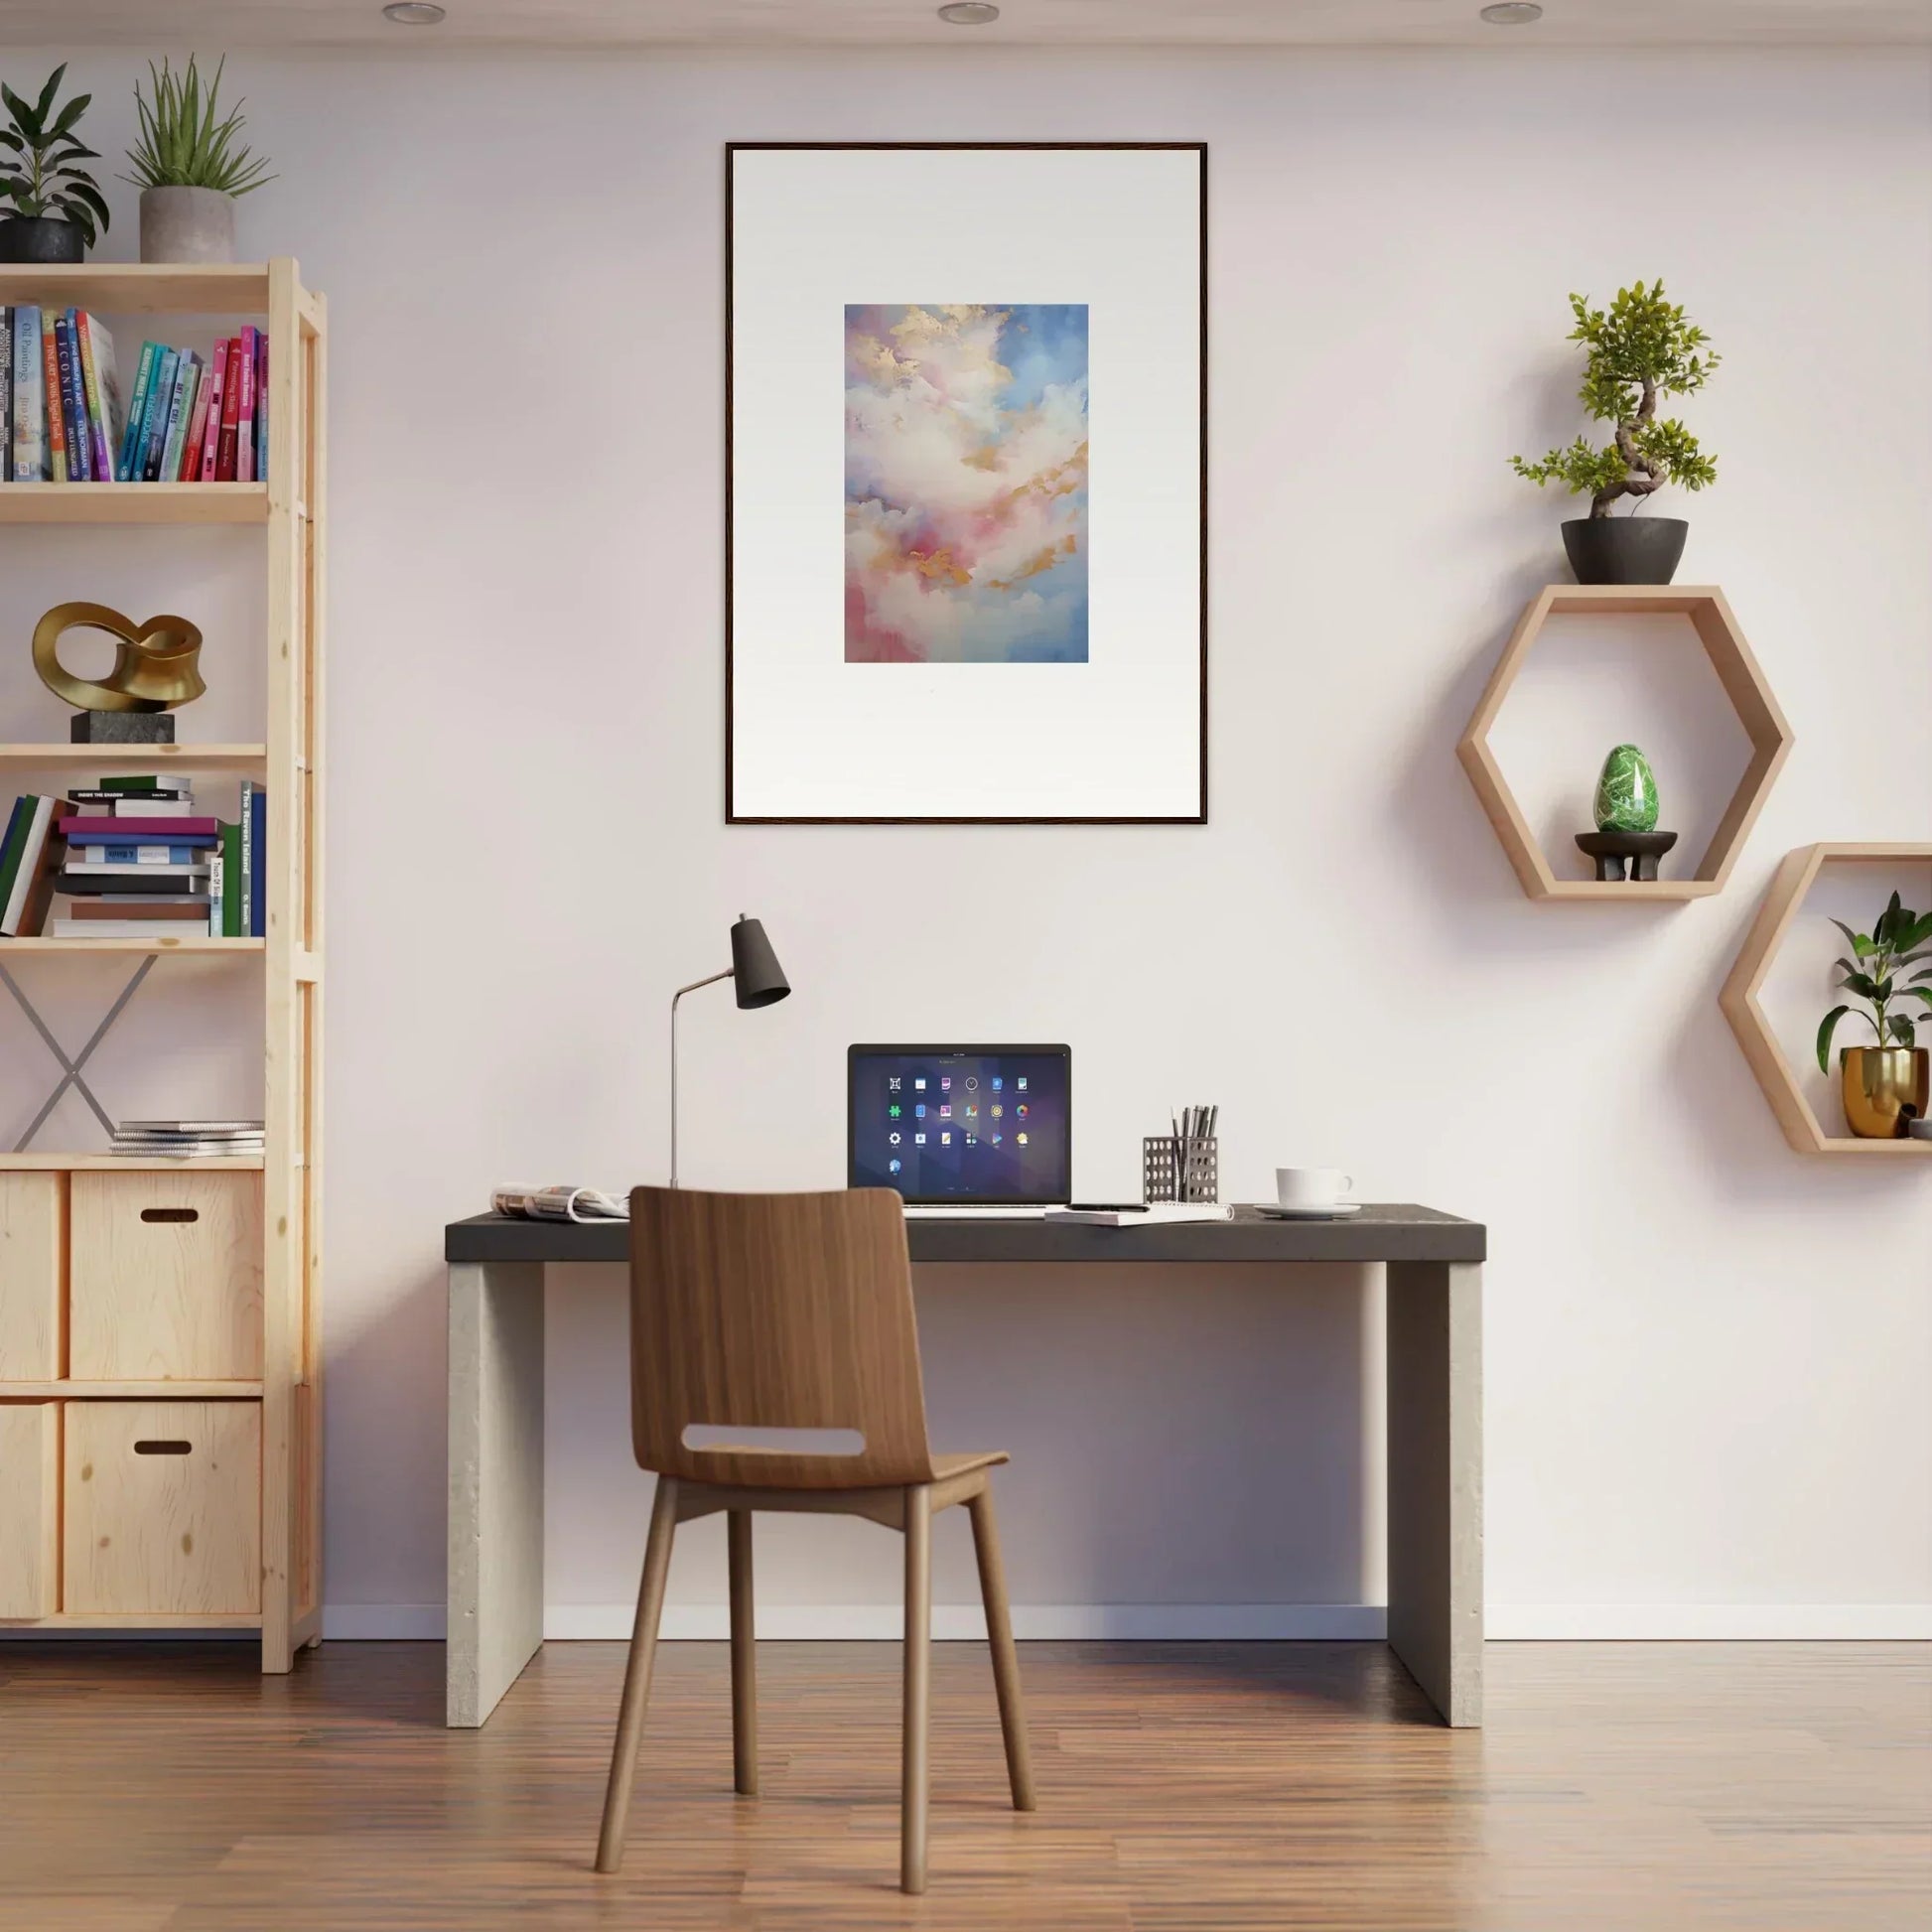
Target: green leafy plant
38,152
1900,938
183,144
1640,351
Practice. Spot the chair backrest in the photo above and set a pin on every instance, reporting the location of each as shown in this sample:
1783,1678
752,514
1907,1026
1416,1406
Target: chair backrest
774,1312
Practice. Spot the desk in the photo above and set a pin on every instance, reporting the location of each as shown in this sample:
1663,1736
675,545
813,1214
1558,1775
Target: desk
1434,1407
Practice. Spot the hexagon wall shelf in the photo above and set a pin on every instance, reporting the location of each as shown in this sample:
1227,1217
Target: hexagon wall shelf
1744,684
1775,1074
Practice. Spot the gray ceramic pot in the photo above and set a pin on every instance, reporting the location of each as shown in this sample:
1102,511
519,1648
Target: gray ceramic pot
187,224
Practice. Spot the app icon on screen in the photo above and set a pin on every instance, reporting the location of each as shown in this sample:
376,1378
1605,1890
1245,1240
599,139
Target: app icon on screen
892,1167
893,1136
1021,1138
997,1083
1019,1085
946,1084
918,1083
972,1113
892,1110
918,1110
945,1112
945,1139
972,1080
1020,1112
995,1138
919,1140
998,1110
892,1083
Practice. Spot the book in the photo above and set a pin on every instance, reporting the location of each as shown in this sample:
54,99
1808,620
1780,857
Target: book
114,906
29,445
6,393
144,781
258,872
230,416
253,798
166,881
177,831
154,426
179,409
116,929
133,855
200,1129
121,805
232,899
103,386
137,405
34,876
74,409
244,466
261,405
17,822
188,469
218,375
57,430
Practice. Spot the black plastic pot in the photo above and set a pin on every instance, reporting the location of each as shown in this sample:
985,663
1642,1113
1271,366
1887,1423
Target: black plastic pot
1624,549
41,239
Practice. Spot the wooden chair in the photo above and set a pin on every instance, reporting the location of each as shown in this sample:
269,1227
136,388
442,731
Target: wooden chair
771,1311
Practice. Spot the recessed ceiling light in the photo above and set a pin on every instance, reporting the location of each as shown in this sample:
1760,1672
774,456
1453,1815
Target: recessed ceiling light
969,13
1513,13
414,13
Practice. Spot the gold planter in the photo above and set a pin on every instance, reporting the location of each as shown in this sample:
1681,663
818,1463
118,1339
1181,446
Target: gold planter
1883,1088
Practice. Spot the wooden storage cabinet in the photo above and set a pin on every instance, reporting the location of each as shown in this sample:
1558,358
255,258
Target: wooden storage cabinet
162,1508
29,1508
32,1267
166,1277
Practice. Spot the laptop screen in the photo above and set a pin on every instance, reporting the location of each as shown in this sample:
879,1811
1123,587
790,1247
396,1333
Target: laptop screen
968,1123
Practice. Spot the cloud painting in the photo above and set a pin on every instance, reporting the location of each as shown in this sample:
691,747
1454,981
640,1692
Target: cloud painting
966,484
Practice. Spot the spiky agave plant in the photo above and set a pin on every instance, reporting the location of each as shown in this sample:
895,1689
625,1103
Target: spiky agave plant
183,144
38,152
1900,938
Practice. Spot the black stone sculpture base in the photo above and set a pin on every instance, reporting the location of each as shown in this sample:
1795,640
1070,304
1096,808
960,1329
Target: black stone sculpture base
122,727
1611,850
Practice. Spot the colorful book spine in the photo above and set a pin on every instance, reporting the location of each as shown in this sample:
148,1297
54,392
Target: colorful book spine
136,855
137,404
244,454
161,395
259,868
6,393
30,446
17,824
217,375
57,419
261,405
231,903
33,881
217,896
179,410
189,470
230,415
104,386
249,857
154,831
73,404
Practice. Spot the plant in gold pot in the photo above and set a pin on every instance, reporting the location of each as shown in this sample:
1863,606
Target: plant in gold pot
1885,1085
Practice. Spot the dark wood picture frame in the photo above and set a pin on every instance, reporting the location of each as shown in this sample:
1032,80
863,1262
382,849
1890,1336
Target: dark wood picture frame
732,150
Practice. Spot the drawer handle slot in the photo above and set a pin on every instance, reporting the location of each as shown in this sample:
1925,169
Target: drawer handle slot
170,1213
164,1446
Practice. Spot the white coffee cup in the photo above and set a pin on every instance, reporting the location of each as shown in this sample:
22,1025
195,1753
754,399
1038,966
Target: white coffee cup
1312,1187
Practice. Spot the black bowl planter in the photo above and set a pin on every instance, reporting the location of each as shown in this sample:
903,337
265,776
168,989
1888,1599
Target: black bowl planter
1624,549
41,239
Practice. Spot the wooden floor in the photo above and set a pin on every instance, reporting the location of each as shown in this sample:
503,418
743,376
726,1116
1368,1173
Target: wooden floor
1641,1787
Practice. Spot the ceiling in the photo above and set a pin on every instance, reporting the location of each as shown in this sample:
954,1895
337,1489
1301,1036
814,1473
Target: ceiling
1085,23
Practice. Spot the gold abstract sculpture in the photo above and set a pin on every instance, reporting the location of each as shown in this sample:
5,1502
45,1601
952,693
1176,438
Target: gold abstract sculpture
154,662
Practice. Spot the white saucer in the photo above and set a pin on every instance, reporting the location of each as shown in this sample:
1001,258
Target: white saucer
1341,1210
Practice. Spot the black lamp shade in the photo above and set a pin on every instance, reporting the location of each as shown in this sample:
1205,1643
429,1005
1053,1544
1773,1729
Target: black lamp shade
757,977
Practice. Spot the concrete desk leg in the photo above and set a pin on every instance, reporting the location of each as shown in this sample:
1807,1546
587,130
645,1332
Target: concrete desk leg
496,1481
1434,1327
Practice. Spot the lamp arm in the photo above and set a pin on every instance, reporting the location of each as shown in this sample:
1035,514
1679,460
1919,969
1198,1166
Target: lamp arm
675,998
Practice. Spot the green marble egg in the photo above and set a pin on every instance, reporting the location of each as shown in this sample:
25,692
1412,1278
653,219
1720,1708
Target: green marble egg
1626,793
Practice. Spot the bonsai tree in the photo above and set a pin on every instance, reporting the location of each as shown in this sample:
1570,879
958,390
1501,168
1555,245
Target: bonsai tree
1640,351
1898,939
182,144
38,150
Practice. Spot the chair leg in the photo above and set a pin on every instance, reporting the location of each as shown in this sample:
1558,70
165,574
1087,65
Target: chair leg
636,1676
1006,1660
745,1678
918,1688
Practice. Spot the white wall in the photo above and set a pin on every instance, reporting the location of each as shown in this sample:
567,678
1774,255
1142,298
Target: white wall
1707,1358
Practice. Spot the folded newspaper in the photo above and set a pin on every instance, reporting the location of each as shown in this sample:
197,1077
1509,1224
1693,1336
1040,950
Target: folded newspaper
560,1204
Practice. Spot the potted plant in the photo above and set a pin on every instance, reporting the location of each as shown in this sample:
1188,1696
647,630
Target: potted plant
57,212
1638,353
188,169
1884,1086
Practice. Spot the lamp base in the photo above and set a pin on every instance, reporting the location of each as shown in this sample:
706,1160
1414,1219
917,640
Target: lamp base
121,727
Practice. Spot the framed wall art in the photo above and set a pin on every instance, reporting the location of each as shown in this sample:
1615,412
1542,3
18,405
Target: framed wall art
966,483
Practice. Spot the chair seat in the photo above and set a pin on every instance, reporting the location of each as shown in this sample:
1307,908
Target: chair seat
946,1466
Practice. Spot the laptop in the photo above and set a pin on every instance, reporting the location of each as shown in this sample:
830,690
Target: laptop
962,1130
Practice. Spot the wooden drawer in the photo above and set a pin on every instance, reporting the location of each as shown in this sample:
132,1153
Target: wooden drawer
29,1508
166,1277
33,1264
163,1503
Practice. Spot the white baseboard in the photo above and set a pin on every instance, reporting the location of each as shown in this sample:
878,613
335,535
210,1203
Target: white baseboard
1200,1622
1707,1622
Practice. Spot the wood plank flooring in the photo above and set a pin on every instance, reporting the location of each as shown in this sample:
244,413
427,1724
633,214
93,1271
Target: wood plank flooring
1639,1788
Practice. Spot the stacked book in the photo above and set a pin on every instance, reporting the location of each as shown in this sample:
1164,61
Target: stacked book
187,1139
188,419
135,860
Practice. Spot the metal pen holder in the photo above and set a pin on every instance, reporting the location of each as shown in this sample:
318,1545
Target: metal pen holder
1173,1171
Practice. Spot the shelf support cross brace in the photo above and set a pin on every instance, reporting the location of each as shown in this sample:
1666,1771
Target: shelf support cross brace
72,1075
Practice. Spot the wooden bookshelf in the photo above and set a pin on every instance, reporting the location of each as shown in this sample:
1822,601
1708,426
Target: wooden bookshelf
285,1389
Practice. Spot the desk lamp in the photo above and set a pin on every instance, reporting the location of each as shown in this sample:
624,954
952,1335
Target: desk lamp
759,981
